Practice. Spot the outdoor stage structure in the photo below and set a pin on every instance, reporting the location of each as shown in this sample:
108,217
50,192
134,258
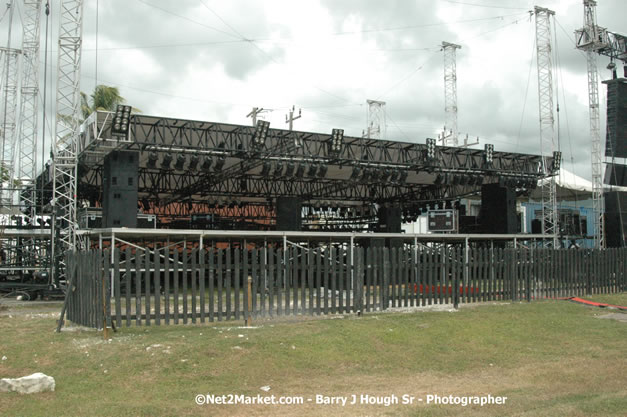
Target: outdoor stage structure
195,174
165,173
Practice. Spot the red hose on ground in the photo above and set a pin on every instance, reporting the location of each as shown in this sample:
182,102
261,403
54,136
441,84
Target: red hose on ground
592,303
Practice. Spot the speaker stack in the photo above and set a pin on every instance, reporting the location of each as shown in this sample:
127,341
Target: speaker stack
119,183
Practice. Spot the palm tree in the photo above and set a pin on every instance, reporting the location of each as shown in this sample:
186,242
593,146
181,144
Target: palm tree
104,97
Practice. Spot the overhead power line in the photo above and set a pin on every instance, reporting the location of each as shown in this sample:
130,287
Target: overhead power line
491,6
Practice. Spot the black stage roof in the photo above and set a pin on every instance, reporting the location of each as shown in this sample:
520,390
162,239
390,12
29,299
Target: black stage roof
226,164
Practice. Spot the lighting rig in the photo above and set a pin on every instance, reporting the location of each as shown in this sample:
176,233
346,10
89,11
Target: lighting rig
336,142
261,134
488,154
119,127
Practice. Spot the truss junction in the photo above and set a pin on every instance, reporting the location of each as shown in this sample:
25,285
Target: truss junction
196,167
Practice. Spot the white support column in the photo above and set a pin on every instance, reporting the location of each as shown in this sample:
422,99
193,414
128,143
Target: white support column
544,52
450,133
29,100
65,143
590,39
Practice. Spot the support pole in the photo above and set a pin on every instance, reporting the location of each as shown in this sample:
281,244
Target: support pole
249,303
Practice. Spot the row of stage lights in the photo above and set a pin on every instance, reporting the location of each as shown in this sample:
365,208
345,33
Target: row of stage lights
384,175
478,179
295,170
193,165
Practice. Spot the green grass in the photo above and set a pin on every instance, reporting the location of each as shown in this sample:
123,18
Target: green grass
549,358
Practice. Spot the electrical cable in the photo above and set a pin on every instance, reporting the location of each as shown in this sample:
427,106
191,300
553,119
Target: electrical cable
484,5
185,18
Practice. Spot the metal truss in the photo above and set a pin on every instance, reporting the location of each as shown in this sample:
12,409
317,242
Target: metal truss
547,123
8,121
376,120
593,37
242,176
450,133
27,144
591,40
171,192
65,146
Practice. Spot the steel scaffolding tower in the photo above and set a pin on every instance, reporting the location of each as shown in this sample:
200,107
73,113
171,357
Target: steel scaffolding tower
10,77
27,132
66,130
10,81
597,40
590,42
376,120
450,133
544,53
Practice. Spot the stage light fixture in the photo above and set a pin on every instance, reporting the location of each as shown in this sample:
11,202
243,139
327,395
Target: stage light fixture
289,169
431,145
557,161
265,169
438,179
300,170
261,133
166,161
219,164
278,169
313,169
322,171
402,178
180,162
152,160
206,164
488,153
336,142
193,162
120,123
385,175
395,175
355,173
365,175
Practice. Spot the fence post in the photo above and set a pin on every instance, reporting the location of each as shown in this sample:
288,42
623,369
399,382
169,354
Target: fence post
455,270
249,301
589,272
385,296
358,280
528,277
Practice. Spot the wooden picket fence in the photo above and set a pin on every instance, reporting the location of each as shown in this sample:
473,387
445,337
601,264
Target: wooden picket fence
164,286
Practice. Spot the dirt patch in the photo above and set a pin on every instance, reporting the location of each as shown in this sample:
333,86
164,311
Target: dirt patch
614,316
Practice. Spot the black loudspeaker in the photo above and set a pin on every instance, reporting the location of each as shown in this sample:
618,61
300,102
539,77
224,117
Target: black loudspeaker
616,174
119,186
536,226
389,219
615,219
498,210
289,214
616,136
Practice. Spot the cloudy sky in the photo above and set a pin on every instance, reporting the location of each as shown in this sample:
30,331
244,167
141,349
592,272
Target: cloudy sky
214,60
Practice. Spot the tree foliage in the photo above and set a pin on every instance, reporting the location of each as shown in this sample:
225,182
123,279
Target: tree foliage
104,97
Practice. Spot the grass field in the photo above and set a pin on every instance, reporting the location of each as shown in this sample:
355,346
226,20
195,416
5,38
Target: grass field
548,358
